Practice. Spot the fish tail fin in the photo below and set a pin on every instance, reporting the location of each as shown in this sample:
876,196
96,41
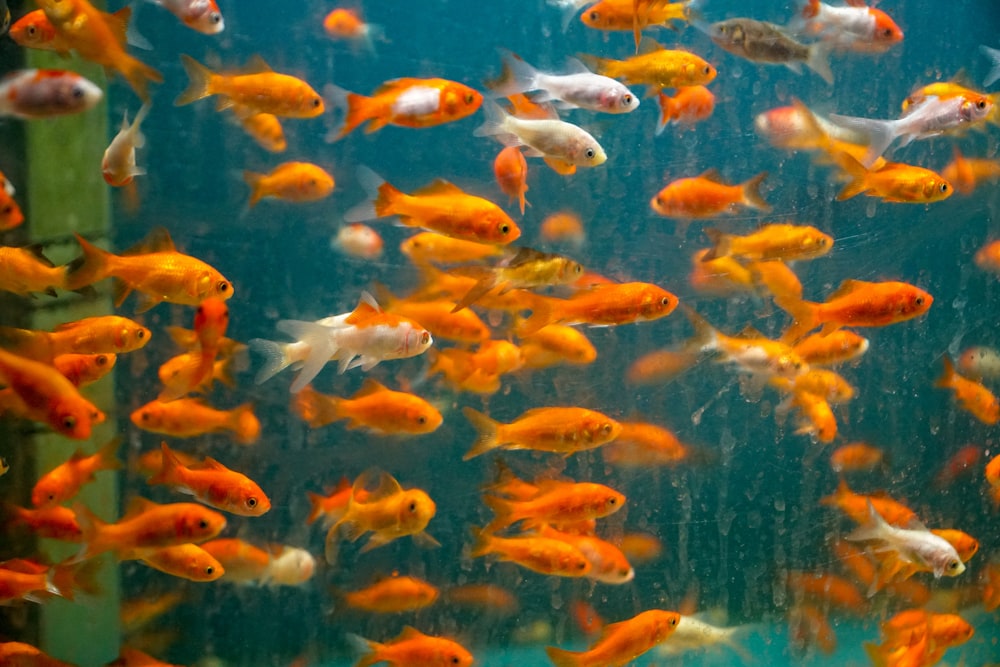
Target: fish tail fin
381,196
994,73
93,265
244,423
316,409
139,75
108,455
562,658
875,654
819,61
503,513
476,292
373,655
873,530
541,316
751,193
495,125
668,111
94,534
880,134
720,244
995,494
275,358
316,510
805,316
321,348
169,465
344,528
256,183
487,433
856,172
66,579
705,338
482,542
356,109
517,76
947,378
199,78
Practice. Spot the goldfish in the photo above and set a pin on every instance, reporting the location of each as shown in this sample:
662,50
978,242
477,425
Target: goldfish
693,634
241,561
629,15
213,484
930,117
720,276
210,322
44,93
776,278
987,257
363,337
555,502
440,318
95,36
477,371
808,625
412,648
858,303
154,268
147,525
816,416
138,613
290,566
830,349
893,182
689,105
751,353
54,523
608,564
27,270
644,445
118,164
35,31
656,66
973,396
330,507
763,42
440,207
819,382
548,138
544,555
191,417
992,472
429,247
855,506
65,480
913,545
406,102
488,597
786,242
259,89
388,511
561,430
708,196
622,642
4,466
11,216
587,620
374,407
511,172
358,240
960,464
264,128
661,365
345,24
200,15
525,269
22,579
290,181
393,595
102,334
854,27
555,344
41,393
602,305
580,88
828,588
187,561
966,173
856,457
563,227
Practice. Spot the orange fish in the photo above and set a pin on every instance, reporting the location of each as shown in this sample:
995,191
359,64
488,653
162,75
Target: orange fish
374,407
190,417
601,305
213,484
556,344
960,464
644,445
656,66
660,366
629,15
816,416
258,90
563,227
721,276
544,555
440,207
486,597
345,24
992,473
966,173
690,105
561,430
35,31
393,595
407,102
65,480
330,507
96,37
440,318
973,396
856,457
587,620
43,394
388,511
555,502
786,242
187,561
412,648
893,182
358,240
147,525
91,335
808,625
607,562
154,268
749,352
708,196
10,213
511,171
54,523
84,369
429,247
242,561
27,580
265,129
987,258
478,371
829,589
641,547
26,270
855,506
210,322
621,643
290,181
832,348
200,15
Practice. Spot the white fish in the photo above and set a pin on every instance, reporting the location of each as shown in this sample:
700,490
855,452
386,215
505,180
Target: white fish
201,15
44,93
693,634
578,88
546,138
118,164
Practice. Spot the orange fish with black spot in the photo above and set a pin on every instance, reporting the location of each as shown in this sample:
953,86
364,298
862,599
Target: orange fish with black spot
213,484
601,305
708,196
65,480
413,648
374,407
621,643
561,430
191,417
290,181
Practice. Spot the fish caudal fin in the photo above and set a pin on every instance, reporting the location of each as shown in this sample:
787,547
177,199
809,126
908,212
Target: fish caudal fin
199,79
94,265
244,424
516,76
541,316
487,430
373,655
496,125
880,134
95,539
720,244
856,172
169,464
482,542
256,183
139,74
947,378
381,196
321,348
562,657
316,409
66,579
994,73
503,513
275,358
819,61
356,109
751,193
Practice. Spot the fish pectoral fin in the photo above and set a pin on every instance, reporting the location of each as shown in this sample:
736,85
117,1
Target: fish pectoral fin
375,541
424,540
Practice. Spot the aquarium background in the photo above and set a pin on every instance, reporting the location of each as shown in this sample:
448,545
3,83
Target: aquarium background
733,525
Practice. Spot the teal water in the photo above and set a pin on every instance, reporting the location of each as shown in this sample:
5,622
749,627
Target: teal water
732,527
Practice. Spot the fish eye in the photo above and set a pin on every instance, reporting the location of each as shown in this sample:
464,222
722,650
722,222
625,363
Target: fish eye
101,359
251,502
594,16
606,428
425,338
455,660
504,228
69,422
317,102
612,501
78,92
413,506
582,565
887,32
953,565
707,70
944,187
223,286
215,17
627,100
52,497
469,98
421,419
981,104
664,301
589,152
31,31
140,334
8,208
210,570
673,621
919,301
203,524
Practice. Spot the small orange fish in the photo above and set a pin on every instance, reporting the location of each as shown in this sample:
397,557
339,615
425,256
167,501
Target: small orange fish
641,547
808,625
154,268
601,305
816,416
555,502
629,15
91,335
190,417
832,348
374,407
440,207
265,129
750,352
563,227
412,648
690,105
587,620
511,171
607,562
708,196
785,242
22,579
893,182
544,555
480,371
987,258
65,480
429,247
829,589
210,322
644,445
358,240
11,215
187,561
721,276
656,66
407,102
259,90
485,597
440,319
54,523
621,643
992,473
856,457
242,561
855,506
555,344
26,270
213,484
660,366
960,464
561,430
346,24
290,181
966,173
973,396
393,595
84,369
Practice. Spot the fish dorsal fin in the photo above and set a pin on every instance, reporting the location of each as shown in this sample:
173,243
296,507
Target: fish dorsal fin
749,332
410,632
36,251
576,66
917,524
77,455
118,24
211,464
399,84
158,240
849,286
649,45
257,65
712,175
440,187
525,255
387,486
369,387
185,338
367,307
138,506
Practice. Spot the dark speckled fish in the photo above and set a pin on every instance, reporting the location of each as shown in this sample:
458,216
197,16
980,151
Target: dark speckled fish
763,42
